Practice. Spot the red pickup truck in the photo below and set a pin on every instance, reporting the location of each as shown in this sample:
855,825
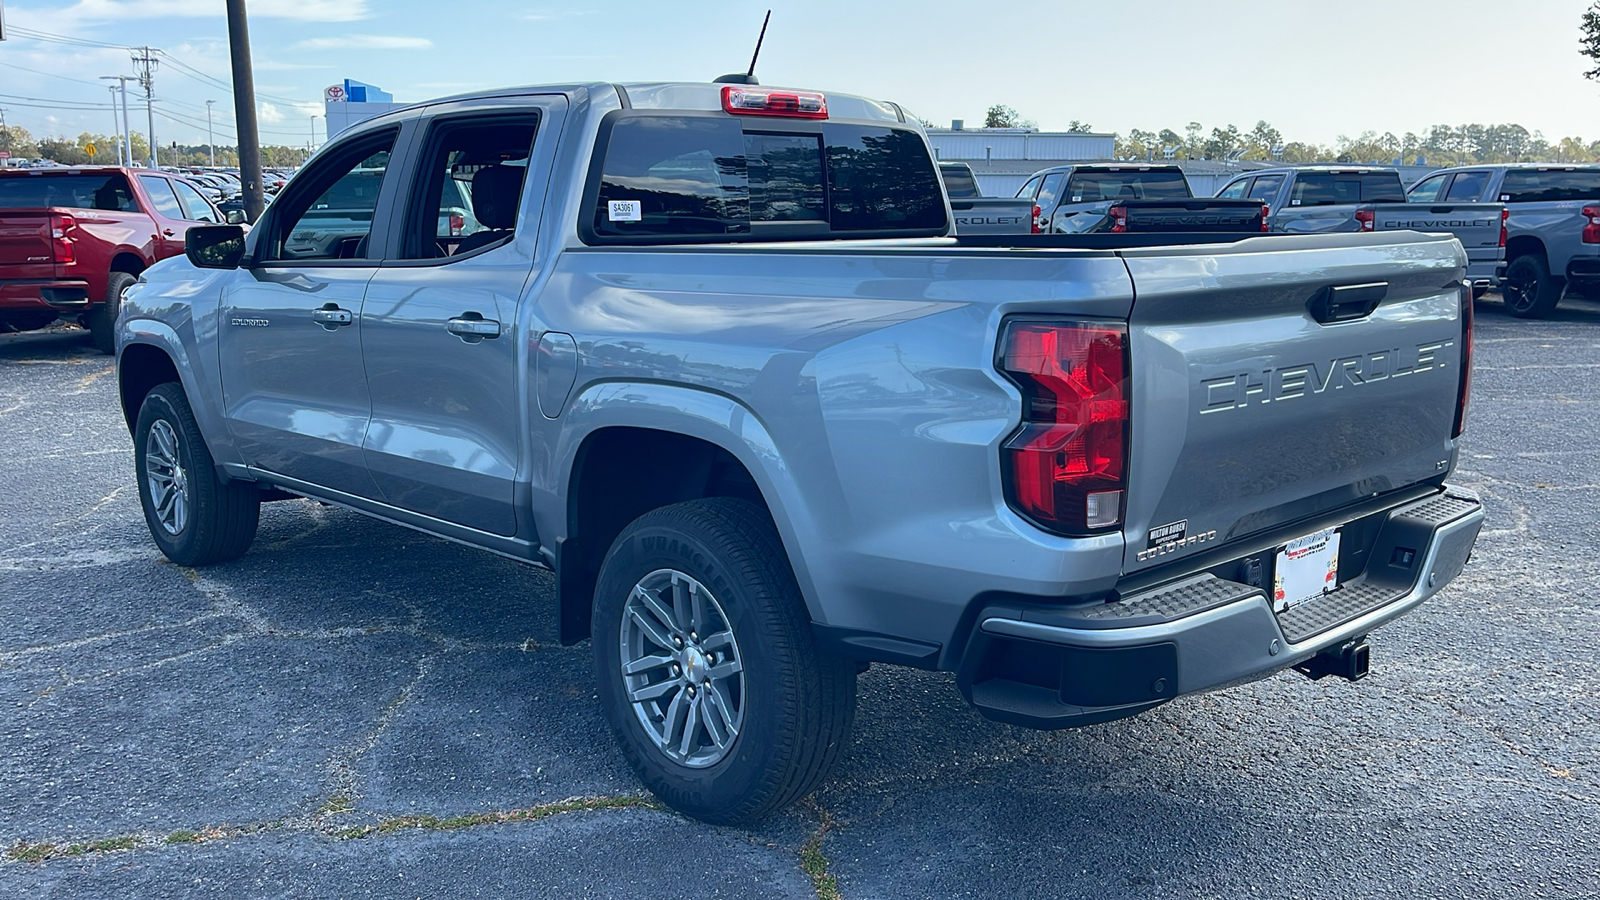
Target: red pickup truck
73,239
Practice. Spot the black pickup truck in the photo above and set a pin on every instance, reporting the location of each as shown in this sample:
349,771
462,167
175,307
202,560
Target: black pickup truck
1128,199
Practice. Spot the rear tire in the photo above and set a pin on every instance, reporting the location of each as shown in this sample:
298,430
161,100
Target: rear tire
697,612
102,319
195,517
1530,291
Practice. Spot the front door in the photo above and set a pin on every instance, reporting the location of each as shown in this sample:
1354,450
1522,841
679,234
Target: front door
290,325
170,219
440,324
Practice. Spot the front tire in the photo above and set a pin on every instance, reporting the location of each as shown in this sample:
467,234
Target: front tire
102,320
1530,291
195,517
707,669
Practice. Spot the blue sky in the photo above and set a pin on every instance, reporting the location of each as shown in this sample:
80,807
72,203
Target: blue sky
1314,70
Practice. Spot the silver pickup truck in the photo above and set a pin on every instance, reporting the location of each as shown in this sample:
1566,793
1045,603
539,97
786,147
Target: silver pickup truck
710,354
1324,199
1118,198
973,213
1552,226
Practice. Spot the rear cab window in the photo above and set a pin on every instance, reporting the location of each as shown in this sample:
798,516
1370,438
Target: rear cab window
703,177
76,191
1335,188
1091,185
1534,185
959,182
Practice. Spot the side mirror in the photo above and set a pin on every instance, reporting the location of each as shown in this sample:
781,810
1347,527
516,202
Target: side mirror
214,246
235,216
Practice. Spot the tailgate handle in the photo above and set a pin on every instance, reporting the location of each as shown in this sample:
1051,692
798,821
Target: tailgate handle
1347,302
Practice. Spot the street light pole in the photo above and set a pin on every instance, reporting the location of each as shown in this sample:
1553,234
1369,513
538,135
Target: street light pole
127,131
116,125
211,143
5,136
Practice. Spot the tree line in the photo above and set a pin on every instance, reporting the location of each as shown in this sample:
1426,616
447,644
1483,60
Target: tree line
75,151
1440,145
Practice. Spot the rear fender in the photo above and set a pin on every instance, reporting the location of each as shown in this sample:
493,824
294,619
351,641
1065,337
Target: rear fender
714,418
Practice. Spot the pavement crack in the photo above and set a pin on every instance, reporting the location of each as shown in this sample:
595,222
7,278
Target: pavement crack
342,768
25,851
813,861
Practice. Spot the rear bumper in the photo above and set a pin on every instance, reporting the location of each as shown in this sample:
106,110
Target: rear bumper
62,295
1066,667
1584,269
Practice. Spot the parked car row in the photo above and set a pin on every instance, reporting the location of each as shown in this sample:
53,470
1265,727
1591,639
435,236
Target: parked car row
72,240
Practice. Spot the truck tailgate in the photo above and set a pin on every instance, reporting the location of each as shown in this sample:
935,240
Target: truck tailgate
25,250
1248,413
1475,225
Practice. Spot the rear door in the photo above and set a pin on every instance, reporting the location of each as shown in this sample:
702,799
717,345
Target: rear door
293,383
171,220
441,320
1254,408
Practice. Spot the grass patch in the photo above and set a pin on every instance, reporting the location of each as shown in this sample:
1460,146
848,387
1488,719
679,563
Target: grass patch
182,836
24,852
815,863
336,805
496,817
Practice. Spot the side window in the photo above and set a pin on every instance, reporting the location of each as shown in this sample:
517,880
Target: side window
469,185
1031,188
1313,190
1234,191
195,205
161,196
1427,190
1266,188
330,216
1049,189
1467,187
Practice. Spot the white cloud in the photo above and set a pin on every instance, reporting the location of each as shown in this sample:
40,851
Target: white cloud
365,42
269,113
301,10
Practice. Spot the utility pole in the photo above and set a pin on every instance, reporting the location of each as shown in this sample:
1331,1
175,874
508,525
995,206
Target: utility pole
244,110
312,147
211,143
145,64
127,131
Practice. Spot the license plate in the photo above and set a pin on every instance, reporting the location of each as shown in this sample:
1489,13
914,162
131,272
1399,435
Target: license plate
1307,568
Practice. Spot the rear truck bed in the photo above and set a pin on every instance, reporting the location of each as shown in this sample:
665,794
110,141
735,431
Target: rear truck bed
1290,411
1480,227
37,278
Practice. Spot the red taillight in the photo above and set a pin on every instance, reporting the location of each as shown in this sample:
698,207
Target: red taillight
1119,219
1591,231
1066,467
1036,212
458,222
1266,212
61,229
1505,214
1466,360
1365,217
757,101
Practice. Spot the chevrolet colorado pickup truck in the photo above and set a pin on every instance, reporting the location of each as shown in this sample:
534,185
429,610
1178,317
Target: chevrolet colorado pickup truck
1322,199
710,353
73,239
1552,227
976,214
1131,198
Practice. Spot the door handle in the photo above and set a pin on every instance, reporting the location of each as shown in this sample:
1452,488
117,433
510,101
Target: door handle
1346,303
168,232
331,317
472,327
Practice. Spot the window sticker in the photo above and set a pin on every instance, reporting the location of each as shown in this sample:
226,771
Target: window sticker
625,210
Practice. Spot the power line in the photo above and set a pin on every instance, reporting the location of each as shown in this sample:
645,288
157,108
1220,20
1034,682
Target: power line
52,38
47,74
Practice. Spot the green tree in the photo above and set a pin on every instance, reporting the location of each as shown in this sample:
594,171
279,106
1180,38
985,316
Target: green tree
1076,127
1589,39
1001,116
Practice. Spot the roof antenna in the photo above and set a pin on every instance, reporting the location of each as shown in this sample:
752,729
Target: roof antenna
750,76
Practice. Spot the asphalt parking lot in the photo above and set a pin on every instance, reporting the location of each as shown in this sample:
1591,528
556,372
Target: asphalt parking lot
357,710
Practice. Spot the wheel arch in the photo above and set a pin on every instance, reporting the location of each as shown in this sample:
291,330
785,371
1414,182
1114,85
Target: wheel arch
1523,245
129,261
622,463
